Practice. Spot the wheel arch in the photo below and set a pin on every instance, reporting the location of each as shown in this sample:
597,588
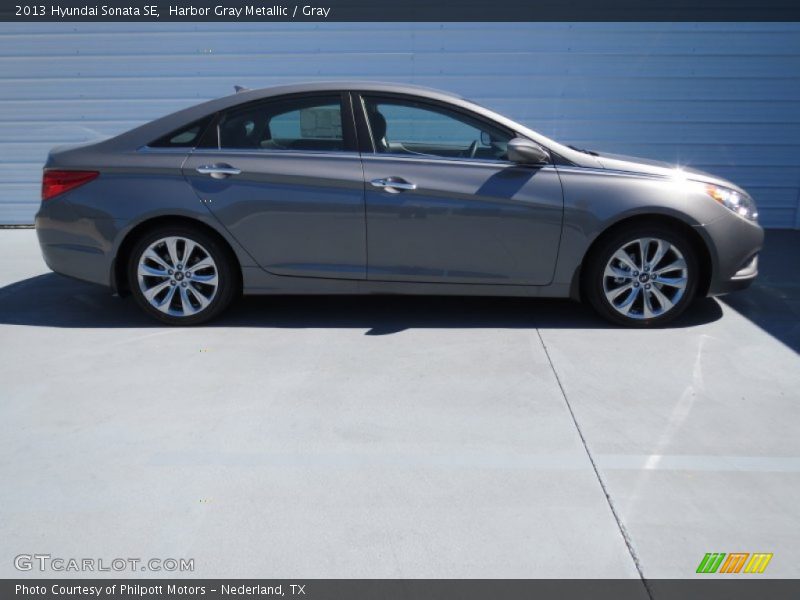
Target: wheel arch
119,277
698,242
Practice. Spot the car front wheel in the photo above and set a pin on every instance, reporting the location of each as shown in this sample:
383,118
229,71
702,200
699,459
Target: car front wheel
643,277
180,275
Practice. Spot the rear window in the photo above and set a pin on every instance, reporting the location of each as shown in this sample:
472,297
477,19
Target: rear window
185,137
300,123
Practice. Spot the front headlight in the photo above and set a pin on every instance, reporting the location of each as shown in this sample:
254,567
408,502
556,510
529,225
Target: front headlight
741,204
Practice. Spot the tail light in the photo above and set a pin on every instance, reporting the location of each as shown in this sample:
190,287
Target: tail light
57,182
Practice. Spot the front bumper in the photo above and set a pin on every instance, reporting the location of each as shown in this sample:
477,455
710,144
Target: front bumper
734,244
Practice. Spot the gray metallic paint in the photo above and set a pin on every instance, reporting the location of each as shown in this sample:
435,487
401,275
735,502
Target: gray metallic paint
302,222
468,222
298,213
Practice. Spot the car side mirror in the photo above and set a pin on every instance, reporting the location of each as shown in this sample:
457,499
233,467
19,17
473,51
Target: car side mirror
526,152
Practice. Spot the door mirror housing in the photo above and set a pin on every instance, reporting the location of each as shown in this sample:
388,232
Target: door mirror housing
526,152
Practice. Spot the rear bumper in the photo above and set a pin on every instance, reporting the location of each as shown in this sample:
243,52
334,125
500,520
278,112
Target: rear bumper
74,246
734,244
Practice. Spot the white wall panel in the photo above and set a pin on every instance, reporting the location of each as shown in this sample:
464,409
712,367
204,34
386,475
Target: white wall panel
724,97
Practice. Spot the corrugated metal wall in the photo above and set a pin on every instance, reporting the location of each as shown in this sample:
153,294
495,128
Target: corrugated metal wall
721,97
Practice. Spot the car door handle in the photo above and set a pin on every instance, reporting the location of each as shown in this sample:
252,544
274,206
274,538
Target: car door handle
393,185
218,171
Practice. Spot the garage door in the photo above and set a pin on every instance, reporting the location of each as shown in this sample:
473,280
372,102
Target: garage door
719,97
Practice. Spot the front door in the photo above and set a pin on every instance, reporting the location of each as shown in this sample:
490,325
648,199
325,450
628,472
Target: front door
445,206
284,177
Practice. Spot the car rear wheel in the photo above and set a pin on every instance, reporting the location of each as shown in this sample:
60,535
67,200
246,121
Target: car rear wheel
643,277
181,275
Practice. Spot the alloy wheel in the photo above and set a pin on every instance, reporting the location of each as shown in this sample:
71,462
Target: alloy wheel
177,276
645,278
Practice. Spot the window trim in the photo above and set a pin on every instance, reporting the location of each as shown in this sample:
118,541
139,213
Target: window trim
367,140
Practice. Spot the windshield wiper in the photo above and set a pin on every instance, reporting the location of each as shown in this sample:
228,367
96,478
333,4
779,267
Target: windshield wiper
589,152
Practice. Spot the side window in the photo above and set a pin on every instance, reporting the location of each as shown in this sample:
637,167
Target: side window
305,123
407,127
185,137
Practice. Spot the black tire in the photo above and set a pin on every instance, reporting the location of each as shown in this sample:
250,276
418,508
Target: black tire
224,267
595,281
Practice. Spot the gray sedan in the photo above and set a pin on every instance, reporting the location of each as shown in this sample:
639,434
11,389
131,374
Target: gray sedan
360,188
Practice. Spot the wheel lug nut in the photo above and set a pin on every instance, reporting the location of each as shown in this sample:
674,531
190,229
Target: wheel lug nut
636,273
171,272
183,284
636,284
180,267
647,287
188,273
172,282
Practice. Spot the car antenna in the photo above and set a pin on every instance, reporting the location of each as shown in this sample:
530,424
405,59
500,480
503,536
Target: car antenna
240,88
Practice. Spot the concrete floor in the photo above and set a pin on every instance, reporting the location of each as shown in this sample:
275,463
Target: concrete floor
399,437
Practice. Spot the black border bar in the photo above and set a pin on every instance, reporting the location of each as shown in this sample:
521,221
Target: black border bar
747,587
411,10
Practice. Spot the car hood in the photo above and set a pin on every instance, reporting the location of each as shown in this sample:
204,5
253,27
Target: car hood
646,166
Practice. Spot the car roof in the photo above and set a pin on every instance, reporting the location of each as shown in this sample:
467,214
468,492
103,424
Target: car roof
349,85
143,135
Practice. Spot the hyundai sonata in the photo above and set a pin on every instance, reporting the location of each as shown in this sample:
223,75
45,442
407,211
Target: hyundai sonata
359,188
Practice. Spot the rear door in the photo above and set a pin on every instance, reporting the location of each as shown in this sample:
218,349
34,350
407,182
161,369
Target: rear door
444,205
284,177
